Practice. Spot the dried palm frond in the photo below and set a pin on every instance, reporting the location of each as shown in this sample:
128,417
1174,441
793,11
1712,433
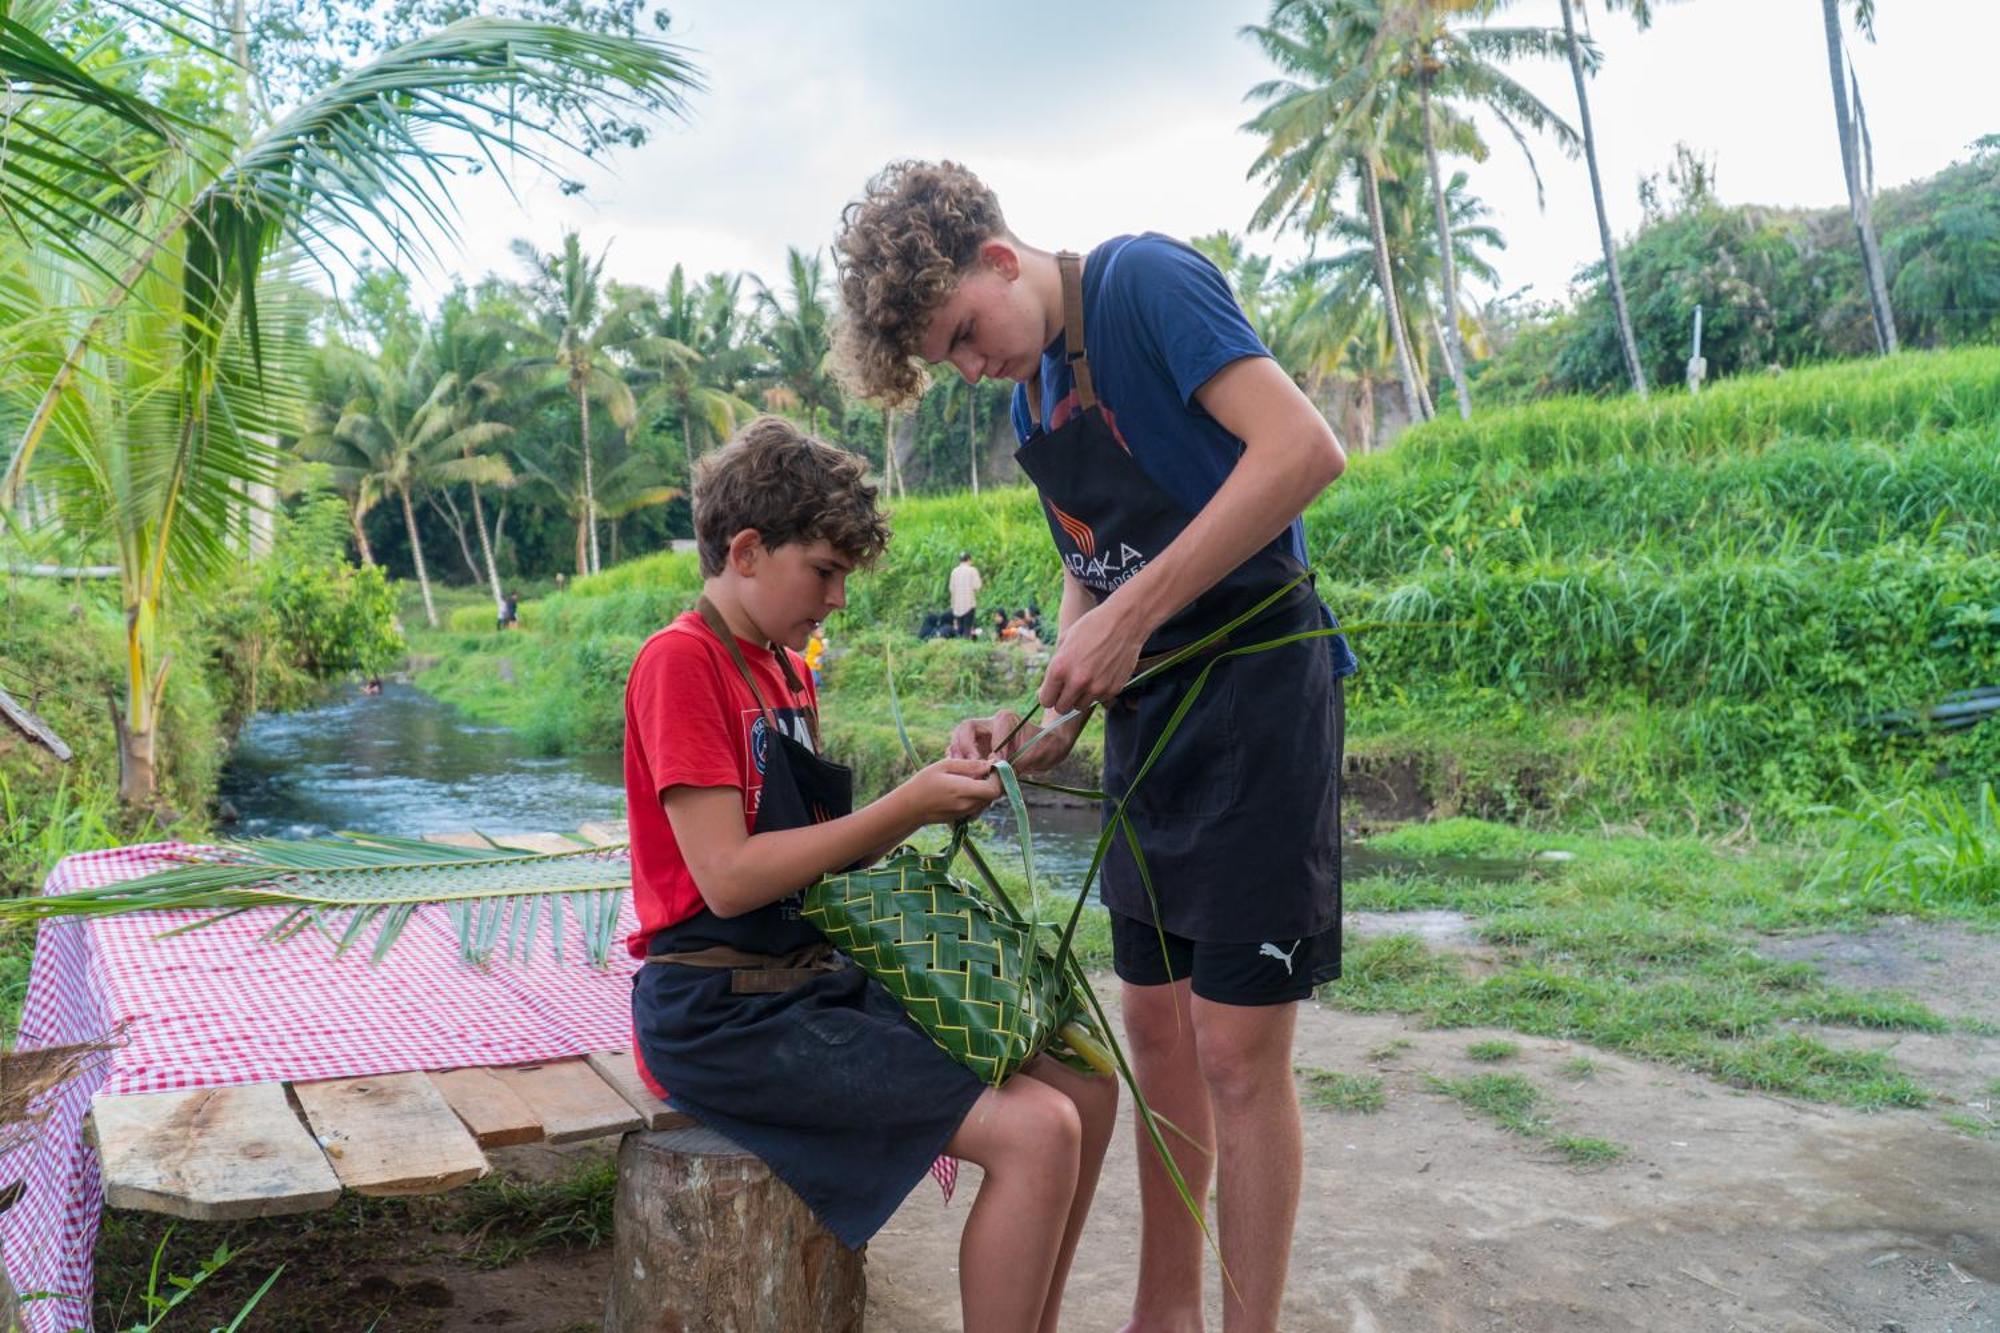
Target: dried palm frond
25,1076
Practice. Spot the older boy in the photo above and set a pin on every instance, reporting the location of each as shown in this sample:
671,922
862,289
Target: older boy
744,1017
1173,458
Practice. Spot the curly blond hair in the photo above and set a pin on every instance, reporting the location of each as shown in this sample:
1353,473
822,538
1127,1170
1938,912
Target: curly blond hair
901,250
790,487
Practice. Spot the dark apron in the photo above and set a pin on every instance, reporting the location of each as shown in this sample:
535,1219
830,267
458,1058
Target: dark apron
759,1031
1239,821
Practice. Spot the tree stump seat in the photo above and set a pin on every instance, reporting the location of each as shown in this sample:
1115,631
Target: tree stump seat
705,1238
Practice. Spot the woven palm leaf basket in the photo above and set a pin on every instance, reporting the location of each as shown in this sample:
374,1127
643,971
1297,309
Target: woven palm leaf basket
984,982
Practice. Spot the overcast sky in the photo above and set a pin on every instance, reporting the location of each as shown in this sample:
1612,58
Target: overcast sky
1095,117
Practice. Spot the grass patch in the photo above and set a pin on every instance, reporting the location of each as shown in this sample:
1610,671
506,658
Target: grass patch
1580,1068
1516,1105
1356,1094
1389,1050
509,1220
1458,836
1646,946
1492,1051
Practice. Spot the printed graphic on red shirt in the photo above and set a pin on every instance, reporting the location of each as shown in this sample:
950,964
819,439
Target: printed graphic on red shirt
691,721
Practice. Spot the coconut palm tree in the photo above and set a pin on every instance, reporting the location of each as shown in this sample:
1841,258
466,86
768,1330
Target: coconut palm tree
334,379
1324,124
173,372
1431,45
349,159
1579,64
407,433
575,331
798,335
1853,127
683,349
469,357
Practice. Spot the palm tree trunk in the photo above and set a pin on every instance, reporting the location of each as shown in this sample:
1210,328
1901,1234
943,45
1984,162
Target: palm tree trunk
1857,199
971,432
1619,308
360,534
486,549
417,557
137,726
1405,363
589,489
1454,345
687,440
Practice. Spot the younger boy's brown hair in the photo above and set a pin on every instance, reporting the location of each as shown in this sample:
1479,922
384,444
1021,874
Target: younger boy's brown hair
902,247
790,487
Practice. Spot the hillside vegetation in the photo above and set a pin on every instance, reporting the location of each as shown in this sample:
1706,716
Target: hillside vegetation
1689,608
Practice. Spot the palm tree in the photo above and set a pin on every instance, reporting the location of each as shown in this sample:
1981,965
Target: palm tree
333,380
470,356
1325,124
1452,62
684,346
798,334
349,159
576,335
406,434
1579,61
1853,127
177,361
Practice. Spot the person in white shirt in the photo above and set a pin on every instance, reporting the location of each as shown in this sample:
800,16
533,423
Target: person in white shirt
965,586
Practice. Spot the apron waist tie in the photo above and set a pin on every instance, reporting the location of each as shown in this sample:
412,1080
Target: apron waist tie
759,973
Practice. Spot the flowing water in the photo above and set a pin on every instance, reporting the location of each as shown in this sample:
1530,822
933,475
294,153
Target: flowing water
405,763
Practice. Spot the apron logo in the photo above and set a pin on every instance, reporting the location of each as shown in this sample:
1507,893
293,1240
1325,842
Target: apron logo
760,743
1078,530
1104,572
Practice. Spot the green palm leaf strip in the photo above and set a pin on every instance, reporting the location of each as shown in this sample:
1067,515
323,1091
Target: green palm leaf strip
356,886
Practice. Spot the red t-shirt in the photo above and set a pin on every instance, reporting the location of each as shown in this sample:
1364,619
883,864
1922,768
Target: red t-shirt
691,721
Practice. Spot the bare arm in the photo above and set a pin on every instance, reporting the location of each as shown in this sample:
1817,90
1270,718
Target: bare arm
738,871
1289,456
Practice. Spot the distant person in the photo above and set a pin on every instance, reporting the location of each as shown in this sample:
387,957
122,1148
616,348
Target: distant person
1002,628
559,581
373,686
510,613
815,653
965,586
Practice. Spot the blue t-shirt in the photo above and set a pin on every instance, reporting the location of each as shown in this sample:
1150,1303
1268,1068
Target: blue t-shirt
1161,321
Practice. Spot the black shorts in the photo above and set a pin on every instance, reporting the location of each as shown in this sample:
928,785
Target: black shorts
1265,972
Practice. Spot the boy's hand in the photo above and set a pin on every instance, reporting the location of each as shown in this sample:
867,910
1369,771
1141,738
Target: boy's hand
1094,659
950,790
975,737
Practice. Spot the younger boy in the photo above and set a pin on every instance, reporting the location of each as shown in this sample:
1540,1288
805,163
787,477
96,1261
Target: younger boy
743,1016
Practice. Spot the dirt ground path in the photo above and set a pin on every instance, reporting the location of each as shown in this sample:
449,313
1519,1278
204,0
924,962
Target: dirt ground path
1731,1210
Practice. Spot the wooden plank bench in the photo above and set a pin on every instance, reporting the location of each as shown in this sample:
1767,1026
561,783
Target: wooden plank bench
705,1236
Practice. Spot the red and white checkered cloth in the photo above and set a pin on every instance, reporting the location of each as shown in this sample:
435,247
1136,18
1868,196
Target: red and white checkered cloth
219,1007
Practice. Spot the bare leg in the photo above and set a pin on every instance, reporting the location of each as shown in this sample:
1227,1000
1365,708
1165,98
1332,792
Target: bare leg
1160,1039
1096,1100
1029,1138
1246,1061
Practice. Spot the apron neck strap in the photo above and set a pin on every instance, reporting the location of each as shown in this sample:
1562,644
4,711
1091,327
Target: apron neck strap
720,628
1076,354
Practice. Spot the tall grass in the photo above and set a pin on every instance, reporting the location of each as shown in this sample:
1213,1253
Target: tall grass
1926,848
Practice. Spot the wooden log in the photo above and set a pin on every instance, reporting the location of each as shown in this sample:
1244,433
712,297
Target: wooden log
391,1135
212,1155
705,1237
617,1069
605,832
571,1102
